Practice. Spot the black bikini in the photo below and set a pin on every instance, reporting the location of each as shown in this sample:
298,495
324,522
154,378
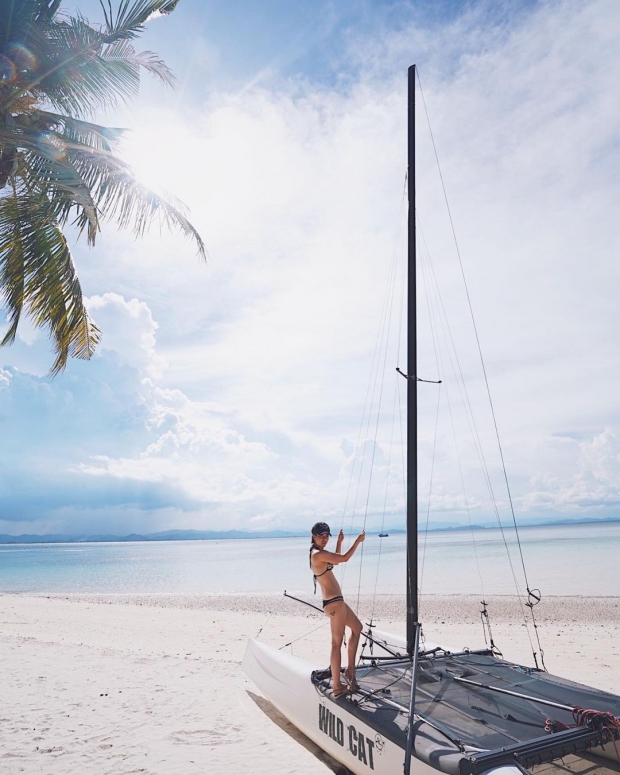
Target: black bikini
329,567
315,576
337,599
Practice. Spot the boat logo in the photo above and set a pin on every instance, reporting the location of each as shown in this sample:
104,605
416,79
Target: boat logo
358,744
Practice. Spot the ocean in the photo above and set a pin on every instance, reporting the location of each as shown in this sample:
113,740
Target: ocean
560,560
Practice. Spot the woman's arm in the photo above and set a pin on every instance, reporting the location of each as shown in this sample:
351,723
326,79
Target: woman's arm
336,559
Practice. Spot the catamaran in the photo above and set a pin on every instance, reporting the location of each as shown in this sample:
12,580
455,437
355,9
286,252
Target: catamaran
431,707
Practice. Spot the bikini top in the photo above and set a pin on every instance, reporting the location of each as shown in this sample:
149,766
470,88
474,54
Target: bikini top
315,576
329,567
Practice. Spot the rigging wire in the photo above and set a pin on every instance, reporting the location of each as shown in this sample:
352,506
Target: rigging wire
457,370
305,635
430,487
466,401
375,360
484,614
533,598
387,482
374,447
430,493
441,369
380,354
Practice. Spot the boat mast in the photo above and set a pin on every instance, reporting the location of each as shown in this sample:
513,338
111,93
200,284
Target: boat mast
412,383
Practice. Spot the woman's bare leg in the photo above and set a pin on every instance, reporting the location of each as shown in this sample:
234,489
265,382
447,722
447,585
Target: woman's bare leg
337,613
354,624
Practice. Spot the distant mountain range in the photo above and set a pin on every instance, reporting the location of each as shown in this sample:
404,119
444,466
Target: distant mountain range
166,535
222,535
438,526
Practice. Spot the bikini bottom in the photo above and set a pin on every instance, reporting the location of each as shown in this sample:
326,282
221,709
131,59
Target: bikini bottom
336,599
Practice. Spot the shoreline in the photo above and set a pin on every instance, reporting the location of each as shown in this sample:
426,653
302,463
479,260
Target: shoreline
153,683
454,608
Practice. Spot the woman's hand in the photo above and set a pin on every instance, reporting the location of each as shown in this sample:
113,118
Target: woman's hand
341,536
361,537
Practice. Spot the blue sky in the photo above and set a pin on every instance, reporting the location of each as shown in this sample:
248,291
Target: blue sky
230,394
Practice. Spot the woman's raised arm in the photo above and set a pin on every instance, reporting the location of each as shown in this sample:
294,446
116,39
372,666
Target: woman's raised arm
336,559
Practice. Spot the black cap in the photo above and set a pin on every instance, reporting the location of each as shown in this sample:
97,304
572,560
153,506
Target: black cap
320,529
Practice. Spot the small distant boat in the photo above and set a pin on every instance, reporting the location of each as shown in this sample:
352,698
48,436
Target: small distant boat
383,535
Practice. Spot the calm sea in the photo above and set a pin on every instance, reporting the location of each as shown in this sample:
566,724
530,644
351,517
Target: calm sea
562,560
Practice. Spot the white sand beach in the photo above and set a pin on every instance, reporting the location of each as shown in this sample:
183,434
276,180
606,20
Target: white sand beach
153,684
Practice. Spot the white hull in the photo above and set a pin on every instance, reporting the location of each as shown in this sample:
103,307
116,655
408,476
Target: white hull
365,743
286,681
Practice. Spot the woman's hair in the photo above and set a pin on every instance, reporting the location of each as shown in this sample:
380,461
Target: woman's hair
312,546
321,528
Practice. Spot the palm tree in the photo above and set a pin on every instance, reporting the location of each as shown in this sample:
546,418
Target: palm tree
57,168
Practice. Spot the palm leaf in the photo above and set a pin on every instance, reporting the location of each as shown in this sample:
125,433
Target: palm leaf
37,275
119,196
130,18
123,52
47,10
63,187
75,130
46,169
81,70
59,165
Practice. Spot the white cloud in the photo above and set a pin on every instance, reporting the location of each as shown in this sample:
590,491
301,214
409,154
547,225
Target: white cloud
235,404
128,331
589,483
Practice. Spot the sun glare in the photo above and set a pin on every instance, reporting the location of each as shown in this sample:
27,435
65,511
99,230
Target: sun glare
148,153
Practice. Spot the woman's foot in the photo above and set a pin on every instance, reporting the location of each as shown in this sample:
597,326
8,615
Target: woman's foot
352,681
340,690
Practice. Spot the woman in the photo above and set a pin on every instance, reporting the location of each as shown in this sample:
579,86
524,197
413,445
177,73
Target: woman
340,615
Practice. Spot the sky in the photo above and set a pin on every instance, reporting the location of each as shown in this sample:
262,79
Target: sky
243,392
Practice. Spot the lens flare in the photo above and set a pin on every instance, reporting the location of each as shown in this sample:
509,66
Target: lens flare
23,59
8,71
51,146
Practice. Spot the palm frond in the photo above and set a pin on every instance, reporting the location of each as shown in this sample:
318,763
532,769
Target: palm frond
37,275
123,51
130,18
44,165
16,15
95,182
63,187
81,70
47,10
75,130
119,196
60,166
74,76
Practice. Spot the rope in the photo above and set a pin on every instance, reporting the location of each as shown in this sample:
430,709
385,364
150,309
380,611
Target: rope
264,625
600,720
486,627
305,635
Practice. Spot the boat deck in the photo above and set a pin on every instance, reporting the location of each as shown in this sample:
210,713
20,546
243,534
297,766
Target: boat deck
457,694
